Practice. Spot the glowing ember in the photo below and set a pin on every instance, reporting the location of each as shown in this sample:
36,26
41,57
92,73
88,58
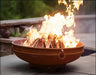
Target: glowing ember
50,35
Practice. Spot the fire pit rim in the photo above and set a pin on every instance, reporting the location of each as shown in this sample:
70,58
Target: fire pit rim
13,43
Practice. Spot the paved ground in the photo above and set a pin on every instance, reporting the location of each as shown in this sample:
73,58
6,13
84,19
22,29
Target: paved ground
12,65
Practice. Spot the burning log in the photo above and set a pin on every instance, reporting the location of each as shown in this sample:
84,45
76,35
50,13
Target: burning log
40,44
50,42
35,42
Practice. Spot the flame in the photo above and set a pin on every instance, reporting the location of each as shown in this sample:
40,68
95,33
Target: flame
76,3
69,40
52,26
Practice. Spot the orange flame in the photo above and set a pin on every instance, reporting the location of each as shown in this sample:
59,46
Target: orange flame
54,24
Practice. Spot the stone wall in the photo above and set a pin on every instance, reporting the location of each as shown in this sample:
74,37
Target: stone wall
5,49
85,24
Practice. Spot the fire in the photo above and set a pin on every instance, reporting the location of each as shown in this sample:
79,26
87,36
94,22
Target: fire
51,35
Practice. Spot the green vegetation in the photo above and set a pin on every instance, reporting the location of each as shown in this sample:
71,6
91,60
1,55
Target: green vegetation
17,9
17,33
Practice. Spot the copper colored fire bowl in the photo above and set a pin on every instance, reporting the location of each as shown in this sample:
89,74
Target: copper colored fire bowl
47,56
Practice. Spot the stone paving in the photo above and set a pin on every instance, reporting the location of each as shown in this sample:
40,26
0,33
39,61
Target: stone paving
12,65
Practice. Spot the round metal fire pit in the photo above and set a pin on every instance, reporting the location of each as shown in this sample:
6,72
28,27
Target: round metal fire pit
46,56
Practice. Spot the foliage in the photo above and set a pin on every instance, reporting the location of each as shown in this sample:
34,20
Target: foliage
17,9
17,33
8,10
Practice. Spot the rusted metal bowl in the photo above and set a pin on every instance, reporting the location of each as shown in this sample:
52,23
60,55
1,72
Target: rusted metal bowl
46,56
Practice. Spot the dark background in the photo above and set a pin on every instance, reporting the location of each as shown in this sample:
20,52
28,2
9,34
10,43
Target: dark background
18,9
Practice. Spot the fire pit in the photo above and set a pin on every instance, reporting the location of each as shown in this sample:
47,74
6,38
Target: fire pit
54,43
47,56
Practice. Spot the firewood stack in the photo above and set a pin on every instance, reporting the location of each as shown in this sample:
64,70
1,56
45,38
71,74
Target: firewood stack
49,43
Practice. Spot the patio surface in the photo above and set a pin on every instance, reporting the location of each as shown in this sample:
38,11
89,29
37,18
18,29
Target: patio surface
12,65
